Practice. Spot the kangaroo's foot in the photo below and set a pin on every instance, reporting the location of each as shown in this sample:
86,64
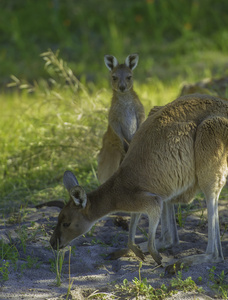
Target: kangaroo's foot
138,252
189,261
160,244
155,254
126,252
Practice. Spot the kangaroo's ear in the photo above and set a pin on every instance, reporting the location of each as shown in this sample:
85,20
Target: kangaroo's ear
110,61
78,194
131,61
69,180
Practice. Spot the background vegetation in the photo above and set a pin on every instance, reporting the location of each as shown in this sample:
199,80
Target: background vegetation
49,121
164,33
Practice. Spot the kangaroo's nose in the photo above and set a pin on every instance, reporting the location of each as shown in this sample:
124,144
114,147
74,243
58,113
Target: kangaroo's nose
122,88
54,242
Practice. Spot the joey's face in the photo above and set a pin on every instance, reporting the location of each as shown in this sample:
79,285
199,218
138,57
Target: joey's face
121,79
72,222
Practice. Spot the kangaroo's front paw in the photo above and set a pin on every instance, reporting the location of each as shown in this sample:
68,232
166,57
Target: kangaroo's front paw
138,252
157,257
118,253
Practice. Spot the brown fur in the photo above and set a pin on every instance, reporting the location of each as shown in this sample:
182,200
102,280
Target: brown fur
125,116
179,150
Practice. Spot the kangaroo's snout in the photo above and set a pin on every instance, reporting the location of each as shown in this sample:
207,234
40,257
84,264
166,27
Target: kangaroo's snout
122,87
55,239
54,242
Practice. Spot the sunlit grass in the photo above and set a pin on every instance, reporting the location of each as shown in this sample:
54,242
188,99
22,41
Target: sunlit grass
41,137
60,126
46,132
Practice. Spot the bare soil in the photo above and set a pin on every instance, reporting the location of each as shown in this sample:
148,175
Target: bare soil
89,268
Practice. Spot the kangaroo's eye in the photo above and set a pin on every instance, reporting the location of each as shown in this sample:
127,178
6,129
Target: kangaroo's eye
114,78
129,77
65,225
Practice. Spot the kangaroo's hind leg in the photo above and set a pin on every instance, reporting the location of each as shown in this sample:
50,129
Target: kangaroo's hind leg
214,249
169,234
212,170
211,155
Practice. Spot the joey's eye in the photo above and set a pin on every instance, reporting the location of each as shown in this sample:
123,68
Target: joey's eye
129,77
114,78
65,225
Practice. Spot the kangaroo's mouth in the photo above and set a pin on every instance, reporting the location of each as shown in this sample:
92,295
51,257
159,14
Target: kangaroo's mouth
56,244
122,91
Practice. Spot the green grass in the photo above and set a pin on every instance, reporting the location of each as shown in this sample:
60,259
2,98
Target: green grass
51,122
42,136
164,33
57,124
141,288
55,127
219,283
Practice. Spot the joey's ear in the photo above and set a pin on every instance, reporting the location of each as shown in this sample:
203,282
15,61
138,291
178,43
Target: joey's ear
69,180
110,61
131,61
78,194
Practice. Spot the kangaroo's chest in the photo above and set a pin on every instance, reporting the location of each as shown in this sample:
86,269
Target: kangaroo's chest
123,116
129,123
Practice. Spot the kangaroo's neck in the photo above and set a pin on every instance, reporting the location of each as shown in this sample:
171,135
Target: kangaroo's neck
106,199
127,96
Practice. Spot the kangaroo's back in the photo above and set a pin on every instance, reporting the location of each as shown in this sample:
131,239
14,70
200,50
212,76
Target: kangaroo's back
163,151
182,148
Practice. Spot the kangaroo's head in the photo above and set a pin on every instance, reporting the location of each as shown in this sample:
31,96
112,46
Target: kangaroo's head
121,74
72,220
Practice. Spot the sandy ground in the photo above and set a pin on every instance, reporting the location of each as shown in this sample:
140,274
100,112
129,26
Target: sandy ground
89,268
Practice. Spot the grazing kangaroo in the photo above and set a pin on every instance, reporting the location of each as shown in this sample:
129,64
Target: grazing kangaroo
178,151
125,116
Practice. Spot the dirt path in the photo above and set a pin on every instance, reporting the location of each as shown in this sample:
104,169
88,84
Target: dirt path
32,275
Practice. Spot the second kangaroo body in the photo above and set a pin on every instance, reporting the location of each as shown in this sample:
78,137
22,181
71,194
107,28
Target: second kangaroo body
125,116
